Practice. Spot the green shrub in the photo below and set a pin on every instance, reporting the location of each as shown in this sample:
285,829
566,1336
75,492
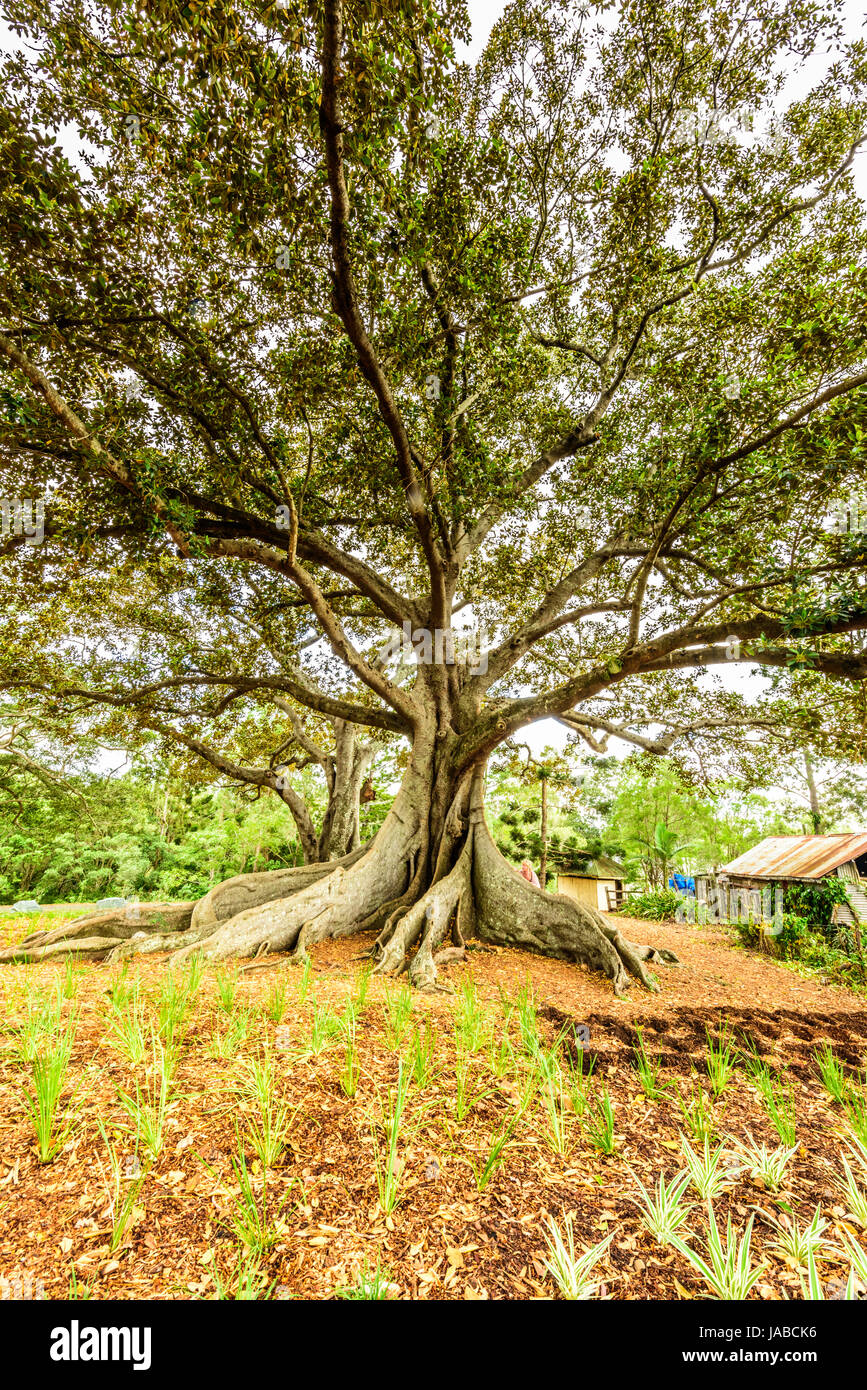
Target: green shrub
834,954
814,902
655,906
787,944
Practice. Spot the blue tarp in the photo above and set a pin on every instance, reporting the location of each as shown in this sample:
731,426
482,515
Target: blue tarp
682,884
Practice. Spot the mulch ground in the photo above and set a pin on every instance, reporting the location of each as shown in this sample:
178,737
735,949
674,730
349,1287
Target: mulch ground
445,1239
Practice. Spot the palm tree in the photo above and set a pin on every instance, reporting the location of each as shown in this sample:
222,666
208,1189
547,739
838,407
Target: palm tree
663,849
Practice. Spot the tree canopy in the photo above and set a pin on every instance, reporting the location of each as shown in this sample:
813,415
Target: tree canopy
328,328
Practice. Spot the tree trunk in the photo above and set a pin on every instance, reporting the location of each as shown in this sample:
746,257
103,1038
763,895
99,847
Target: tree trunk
816,817
345,770
431,872
543,830
341,832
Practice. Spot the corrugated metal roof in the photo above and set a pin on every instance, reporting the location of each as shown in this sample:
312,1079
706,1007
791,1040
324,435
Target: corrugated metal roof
798,856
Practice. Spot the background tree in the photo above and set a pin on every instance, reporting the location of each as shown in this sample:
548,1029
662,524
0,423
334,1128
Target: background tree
201,669
664,852
829,796
718,817
145,833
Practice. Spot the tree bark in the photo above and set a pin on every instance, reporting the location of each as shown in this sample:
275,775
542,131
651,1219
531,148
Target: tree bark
350,764
815,808
543,831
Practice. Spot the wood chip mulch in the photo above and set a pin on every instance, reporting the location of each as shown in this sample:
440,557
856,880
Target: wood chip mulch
445,1239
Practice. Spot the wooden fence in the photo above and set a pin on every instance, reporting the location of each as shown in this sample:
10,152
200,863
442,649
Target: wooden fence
723,902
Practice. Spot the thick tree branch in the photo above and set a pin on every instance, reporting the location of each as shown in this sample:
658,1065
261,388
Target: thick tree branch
346,305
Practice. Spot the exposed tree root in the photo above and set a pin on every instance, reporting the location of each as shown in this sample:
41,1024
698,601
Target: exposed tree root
96,934
151,943
427,922
451,953
244,891
471,892
512,912
393,909
331,903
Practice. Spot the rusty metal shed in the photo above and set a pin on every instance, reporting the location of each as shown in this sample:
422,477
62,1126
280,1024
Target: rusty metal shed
800,857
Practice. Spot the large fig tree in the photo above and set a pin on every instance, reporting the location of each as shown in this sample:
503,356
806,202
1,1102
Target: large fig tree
567,348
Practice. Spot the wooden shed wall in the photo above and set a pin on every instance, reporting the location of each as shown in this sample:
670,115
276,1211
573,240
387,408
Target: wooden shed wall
589,891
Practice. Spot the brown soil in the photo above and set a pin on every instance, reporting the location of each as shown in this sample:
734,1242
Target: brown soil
445,1239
